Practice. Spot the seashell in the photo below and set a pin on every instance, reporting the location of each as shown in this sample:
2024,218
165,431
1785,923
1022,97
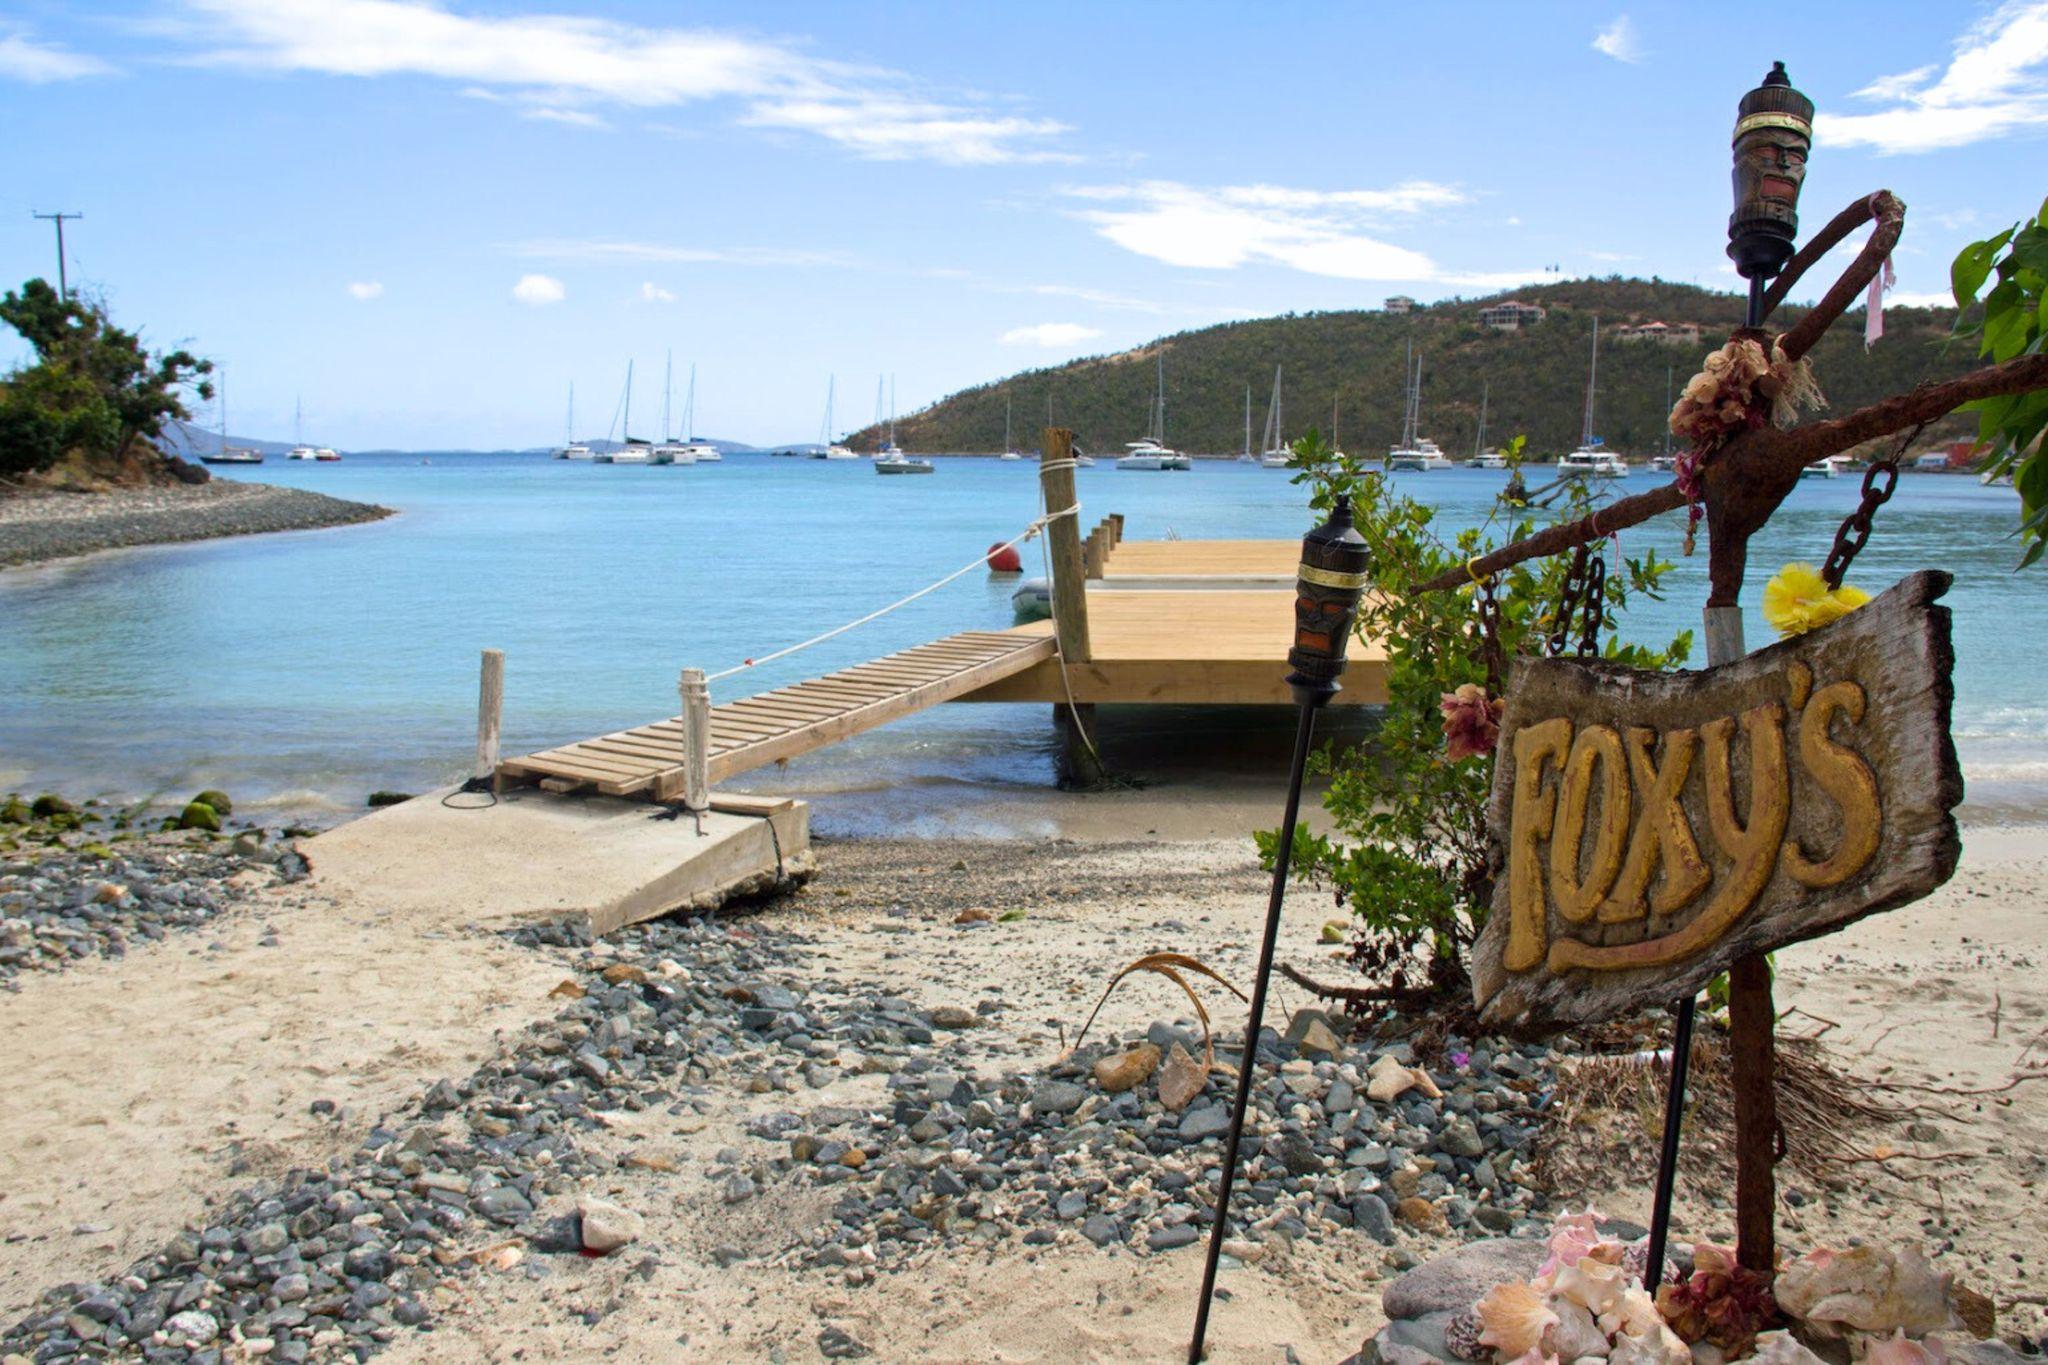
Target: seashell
1574,1334
1782,1348
1868,1289
1514,1317
1900,1349
1661,1347
1571,1236
1533,1356
1711,1258
1707,1353
1387,1079
1633,1314
1593,1284
1461,1337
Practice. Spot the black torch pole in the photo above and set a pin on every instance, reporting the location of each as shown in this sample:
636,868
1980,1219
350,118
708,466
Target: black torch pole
1332,577
1303,737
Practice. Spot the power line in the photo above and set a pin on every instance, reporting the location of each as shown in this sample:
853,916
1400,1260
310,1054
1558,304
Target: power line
63,282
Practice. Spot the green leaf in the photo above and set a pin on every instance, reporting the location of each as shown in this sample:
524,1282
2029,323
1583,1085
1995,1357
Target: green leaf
1973,266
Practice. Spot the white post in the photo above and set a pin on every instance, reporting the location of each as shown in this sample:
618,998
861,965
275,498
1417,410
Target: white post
696,739
490,703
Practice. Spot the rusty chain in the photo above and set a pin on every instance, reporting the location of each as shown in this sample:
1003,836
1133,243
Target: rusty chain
1880,481
1491,652
1593,613
1583,595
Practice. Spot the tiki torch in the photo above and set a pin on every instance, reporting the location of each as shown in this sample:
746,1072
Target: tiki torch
1326,592
1773,134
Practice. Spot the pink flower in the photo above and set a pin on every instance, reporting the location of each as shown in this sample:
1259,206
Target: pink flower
1471,721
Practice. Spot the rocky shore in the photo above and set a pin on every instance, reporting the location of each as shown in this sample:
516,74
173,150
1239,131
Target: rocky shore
36,527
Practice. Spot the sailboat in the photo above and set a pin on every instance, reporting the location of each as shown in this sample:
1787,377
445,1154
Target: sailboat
1415,453
891,459
634,450
832,450
1244,455
702,451
572,449
1010,451
1485,459
1273,451
300,450
1589,460
667,450
1665,462
228,454
1152,452
1336,447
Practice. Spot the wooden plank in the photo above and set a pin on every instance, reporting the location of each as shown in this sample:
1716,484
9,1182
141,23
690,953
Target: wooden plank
779,709
866,718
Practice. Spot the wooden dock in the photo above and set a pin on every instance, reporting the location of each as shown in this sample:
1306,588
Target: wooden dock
650,760
1163,622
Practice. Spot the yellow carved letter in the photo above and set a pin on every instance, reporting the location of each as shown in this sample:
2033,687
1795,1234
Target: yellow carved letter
1597,746
1752,844
1529,823
1840,772
1662,834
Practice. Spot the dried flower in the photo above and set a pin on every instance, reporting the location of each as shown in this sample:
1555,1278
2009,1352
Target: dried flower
1471,721
1722,1302
1798,599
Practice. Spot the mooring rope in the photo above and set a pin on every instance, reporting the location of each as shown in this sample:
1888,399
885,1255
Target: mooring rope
1029,531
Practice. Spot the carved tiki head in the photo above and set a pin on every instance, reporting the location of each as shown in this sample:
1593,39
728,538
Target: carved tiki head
1773,134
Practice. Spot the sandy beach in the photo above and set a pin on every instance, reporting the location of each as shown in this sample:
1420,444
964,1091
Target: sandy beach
361,1044
35,528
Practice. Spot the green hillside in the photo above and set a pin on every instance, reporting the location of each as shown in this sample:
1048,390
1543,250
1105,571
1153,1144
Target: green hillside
1536,377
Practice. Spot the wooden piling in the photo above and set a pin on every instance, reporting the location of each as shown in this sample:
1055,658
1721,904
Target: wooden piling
1752,1046
490,706
1079,765
696,697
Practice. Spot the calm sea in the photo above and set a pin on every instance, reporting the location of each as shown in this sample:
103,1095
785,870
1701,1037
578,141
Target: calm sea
302,671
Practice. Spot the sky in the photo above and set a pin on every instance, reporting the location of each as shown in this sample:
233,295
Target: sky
425,221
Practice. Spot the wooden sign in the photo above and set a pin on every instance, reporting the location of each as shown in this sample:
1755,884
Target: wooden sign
1649,829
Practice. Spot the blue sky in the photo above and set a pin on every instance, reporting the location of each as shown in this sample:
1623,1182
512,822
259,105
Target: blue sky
426,220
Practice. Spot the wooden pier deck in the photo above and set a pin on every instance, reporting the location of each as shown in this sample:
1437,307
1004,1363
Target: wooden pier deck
649,760
1163,622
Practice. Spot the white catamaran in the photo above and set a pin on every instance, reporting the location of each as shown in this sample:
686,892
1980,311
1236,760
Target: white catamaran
1152,452
829,448
668,450
633,450
1415,453
572,449
1591,459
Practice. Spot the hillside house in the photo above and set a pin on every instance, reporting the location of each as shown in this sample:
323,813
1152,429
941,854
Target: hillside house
1511,316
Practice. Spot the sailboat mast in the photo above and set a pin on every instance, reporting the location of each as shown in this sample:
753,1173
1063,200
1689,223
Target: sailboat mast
1415,418
626,425
825,436
298,421
1008,444
569,434
892,409
223,409
1479,437
1333,420
1247,421
1667,409
668,393
1592,383
1159,405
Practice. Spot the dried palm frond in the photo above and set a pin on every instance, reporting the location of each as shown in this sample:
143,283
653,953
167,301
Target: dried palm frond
1170,966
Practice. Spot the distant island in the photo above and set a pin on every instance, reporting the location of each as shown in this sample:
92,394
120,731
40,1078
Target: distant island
1526,352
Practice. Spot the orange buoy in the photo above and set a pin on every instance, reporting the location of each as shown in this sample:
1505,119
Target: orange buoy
1004,559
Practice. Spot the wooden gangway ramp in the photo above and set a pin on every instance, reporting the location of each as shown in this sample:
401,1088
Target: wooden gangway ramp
649,761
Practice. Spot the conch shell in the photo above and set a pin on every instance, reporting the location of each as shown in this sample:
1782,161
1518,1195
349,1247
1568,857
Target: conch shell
1514,1318
1782,1348
1633,1314
1867,1289
1575,1335
1571,1236
1900,1349
1659,1348
1593,1284
1387,1079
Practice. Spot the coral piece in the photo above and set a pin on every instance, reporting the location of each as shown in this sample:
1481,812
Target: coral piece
1575,1335
1867,1289
1461,1337
1514,1317
1782,1348
1722,1302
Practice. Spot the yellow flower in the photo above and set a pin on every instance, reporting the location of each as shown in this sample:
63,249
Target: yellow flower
1798,599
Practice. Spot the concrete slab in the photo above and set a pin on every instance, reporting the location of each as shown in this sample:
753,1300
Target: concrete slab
539,856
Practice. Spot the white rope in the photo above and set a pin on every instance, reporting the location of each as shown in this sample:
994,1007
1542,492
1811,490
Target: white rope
1033,529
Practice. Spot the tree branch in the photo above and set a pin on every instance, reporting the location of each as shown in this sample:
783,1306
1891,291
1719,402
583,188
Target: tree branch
1819,245
1891,220
1764,460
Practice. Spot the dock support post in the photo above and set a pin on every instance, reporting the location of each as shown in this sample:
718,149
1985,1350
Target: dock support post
696,694
1079,765
490,706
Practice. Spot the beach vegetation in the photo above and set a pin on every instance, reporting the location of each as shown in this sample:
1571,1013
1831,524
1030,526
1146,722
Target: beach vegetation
1407,857
93,390
2013,322
199,815
218,799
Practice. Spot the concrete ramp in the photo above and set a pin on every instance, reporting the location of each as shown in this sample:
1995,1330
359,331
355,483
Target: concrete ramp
536,856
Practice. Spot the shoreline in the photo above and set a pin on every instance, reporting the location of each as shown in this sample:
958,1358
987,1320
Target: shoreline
45,527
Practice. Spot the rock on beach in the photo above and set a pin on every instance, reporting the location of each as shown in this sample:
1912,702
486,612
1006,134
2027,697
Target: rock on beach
39,527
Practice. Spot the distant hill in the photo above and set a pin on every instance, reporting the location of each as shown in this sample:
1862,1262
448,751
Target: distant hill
1535,378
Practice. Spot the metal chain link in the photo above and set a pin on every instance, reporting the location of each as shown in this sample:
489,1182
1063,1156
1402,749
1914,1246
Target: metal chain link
1491,652
1880,481
1568,595
1584,596
1593,614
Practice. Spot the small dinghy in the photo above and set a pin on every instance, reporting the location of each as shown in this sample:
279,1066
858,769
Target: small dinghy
1033,599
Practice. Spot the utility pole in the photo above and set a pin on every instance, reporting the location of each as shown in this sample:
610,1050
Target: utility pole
63,283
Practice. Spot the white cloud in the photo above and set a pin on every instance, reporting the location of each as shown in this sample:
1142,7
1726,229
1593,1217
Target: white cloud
564,67
22,58
654,293
575,118
1906,298
539,289
1619,40
1994,85
1314,231
1049,335
367,289
1101,298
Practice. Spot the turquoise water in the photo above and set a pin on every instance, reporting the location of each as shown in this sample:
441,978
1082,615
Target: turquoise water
301,671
